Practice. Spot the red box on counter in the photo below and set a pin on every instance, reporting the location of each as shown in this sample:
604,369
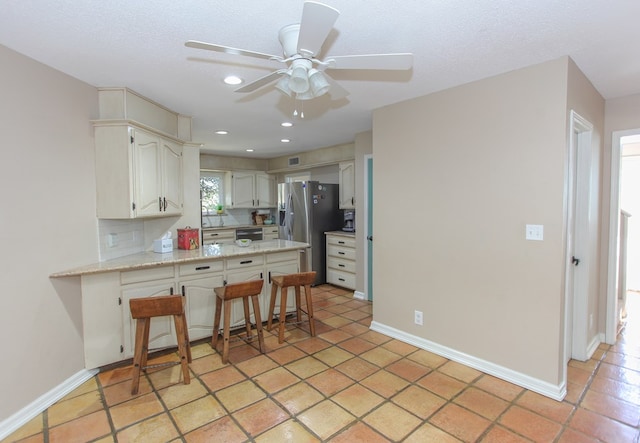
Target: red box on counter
188,238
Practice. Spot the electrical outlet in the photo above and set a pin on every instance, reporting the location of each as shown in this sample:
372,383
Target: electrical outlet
417,317
112,240
590,321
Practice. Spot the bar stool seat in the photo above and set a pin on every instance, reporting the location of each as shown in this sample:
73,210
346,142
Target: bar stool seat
284,282
143,310
226,294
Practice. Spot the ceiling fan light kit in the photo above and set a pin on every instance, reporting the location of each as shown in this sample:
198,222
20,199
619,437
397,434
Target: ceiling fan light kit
304,78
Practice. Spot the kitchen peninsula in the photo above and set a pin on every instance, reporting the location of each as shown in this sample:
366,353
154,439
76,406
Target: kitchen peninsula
107,287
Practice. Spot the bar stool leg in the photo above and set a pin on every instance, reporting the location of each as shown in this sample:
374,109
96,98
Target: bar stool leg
256,313
227,322
140,351
182,347
183,319
247,318
272,305
312,321
283,312
216,323
298,311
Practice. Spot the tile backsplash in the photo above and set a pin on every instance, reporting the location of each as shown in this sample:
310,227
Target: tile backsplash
119,238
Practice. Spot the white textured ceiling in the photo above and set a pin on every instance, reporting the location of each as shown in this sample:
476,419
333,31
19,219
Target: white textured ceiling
140,45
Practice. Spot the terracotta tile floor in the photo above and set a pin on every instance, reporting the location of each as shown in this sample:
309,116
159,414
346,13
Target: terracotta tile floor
348,384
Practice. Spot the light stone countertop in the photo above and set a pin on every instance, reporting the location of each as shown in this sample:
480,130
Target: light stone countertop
207,252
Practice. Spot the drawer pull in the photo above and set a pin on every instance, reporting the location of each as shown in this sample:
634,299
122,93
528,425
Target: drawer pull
340,278
340,252
246,262
202,268
341,265
213,235
340,242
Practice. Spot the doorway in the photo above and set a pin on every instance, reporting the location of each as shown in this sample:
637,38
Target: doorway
619,139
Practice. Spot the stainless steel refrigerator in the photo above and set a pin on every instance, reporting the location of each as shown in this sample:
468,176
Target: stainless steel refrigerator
306,211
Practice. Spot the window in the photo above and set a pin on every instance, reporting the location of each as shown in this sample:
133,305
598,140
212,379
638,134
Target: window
211,191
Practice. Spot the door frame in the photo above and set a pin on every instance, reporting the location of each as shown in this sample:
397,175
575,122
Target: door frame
368,279
611,320
578,188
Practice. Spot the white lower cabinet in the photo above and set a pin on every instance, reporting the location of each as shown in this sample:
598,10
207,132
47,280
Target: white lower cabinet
244,269
341,261
109,331
162,330
196,285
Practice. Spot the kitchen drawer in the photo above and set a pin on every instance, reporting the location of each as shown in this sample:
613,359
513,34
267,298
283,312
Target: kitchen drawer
245,261
342,252
147,274
269,232
341,240
278,257
202,267
219,234
344,279
341,264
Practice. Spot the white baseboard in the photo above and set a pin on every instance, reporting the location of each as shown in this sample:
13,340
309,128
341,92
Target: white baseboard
556,392
20,418
359,295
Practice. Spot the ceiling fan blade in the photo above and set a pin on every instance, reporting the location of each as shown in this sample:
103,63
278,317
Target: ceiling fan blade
336,91
262,81
400,61
230,50
315,25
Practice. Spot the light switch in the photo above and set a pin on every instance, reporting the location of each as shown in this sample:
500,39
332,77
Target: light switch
534,232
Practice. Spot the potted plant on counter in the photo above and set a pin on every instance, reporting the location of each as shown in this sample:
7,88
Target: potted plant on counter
219,209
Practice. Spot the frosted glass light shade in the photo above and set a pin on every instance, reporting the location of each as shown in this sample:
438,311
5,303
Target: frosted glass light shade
299,83
319,84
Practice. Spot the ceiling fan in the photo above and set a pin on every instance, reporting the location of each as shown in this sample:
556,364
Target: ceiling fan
304,76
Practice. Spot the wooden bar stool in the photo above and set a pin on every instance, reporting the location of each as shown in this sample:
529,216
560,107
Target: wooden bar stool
227,294
143,310
296,281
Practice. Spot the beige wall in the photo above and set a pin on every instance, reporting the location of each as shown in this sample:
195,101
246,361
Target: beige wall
468,168
48,224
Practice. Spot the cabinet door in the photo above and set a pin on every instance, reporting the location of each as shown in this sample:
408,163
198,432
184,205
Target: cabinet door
148,186
162,331
172,193
266,191
347,185
278,270
200,304
242,190
237,310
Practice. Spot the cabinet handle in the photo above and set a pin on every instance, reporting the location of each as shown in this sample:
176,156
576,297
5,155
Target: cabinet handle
352,200
165,203
171,290
269,276
341,279
246,262
261,277
340,242
213,235
341,265
202,268
160,204
340,252
183,291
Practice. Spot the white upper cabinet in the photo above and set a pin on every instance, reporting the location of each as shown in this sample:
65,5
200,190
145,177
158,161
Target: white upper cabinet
347,185
251,190
138,173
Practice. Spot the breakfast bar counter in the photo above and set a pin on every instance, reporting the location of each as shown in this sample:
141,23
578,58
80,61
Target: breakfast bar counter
181,256
108,331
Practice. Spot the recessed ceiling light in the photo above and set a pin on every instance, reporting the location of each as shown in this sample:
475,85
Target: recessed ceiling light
285,140
286,124
249,150
232,80
222,132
